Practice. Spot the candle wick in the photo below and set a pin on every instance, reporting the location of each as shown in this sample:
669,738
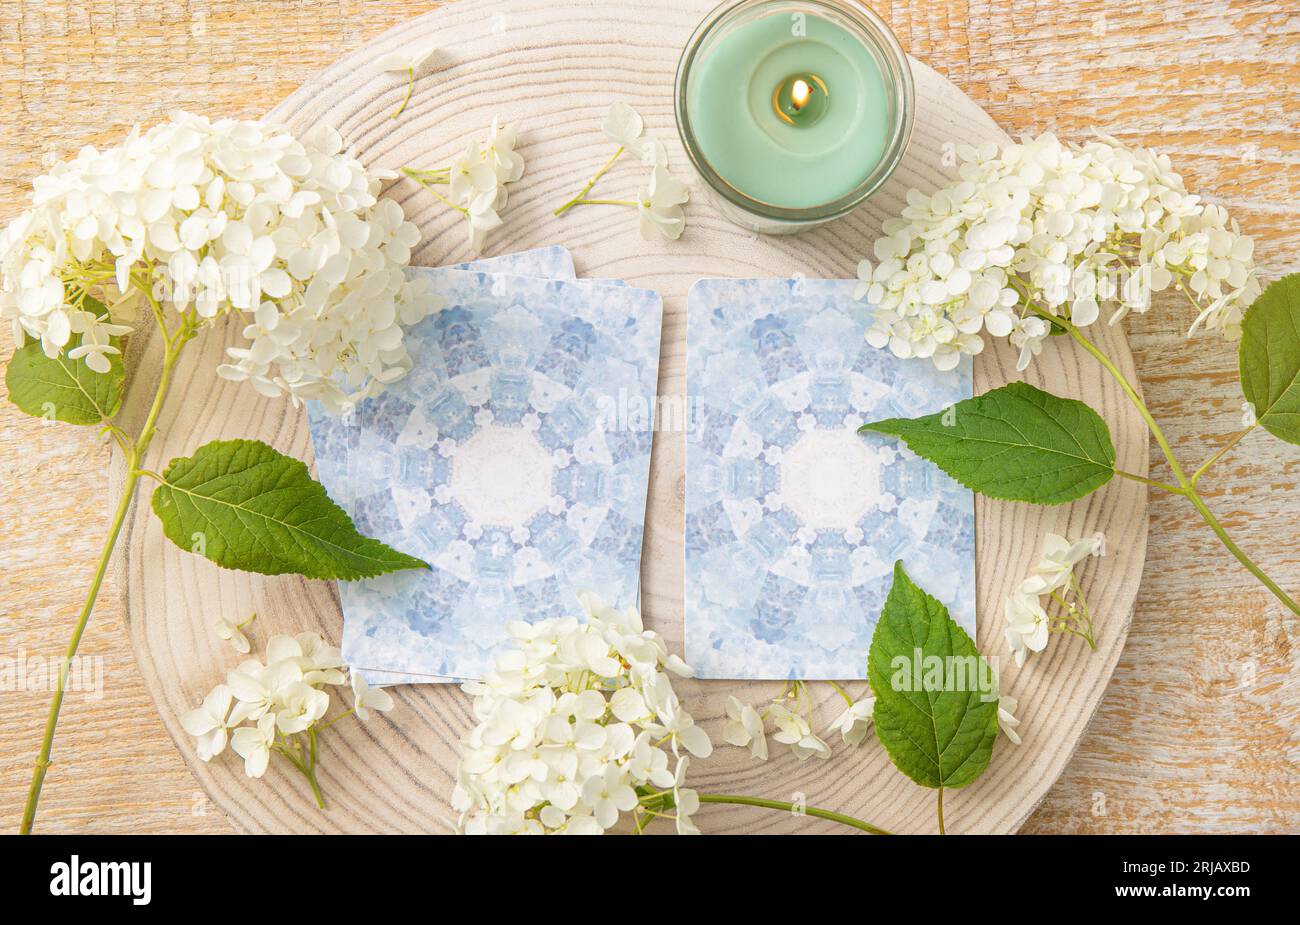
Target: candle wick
799,94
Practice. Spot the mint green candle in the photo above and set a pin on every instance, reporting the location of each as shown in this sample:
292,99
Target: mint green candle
794,112
797,163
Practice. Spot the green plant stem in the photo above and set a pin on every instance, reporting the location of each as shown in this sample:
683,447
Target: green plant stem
843,693
790,808
311,770
941,829
1196,476
1208,516
343,715
135,456
578,199
1129,391
315,788
1186,486
415,175
410,85
604,202
306,766
1091,634
1165,486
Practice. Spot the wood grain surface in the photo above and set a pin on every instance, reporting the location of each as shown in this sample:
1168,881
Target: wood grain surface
1198,729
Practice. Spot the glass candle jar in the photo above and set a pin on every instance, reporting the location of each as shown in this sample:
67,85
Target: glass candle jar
793,112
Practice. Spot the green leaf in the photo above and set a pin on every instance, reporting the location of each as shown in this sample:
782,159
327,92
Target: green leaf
62,389
1269,358
937,723
1017,443
245,506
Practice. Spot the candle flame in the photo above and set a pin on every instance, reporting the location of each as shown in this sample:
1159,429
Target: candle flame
800,93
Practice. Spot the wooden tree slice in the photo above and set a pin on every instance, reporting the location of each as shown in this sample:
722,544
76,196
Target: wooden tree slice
556,68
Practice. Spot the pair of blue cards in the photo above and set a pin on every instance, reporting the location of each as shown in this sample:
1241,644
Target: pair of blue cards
506,459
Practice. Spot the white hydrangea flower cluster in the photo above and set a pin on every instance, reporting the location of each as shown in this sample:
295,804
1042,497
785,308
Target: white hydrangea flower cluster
277,706
572,727
1070,227
1028,622
214,217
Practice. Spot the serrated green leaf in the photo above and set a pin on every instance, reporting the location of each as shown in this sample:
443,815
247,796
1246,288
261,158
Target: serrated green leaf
246,506
938,725
1269,358
1017,443
63,389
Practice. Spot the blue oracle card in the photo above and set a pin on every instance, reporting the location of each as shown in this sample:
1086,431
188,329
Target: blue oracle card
793,519
499,460
554,262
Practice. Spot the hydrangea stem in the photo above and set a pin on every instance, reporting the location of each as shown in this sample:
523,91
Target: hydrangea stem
580,199
311,769
1186,486
410,85
842,819
135,456
315,788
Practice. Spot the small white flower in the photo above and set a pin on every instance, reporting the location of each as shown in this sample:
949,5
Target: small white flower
208,723
675,722
1007,721
401,61
253,744
258,687
1029,334
855,722
472,176
501,154
609,794
234,634
650,764
793,730
300,705
1059,558
95,355
481,218
320,663
1027,626
810,746
623,124
685,801
659,206
366,698
745,727
863,287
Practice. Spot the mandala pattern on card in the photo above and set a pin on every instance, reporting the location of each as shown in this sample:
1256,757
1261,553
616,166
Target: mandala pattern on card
793,519
500,461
